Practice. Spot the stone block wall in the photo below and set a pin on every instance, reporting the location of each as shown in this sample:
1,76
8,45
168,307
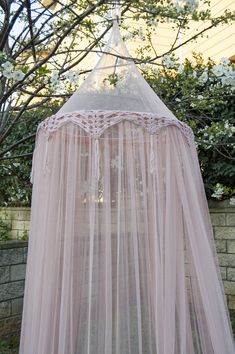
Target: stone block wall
13,256
13,260
18,219
223,221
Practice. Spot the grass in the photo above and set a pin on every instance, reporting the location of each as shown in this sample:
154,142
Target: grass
9,346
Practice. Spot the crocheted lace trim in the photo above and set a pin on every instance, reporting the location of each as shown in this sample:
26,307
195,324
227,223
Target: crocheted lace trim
95,122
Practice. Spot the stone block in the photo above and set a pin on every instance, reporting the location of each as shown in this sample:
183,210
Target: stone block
11,290
11,244
11,256
17,306
2,213
218,219
220,246
226,260
230,219
8,213
23,233
231,246
10,325
14,234
5,309
225,233
223,272
229,287
23,214
4,274
231,274
217,204
231,302
20,225
17,272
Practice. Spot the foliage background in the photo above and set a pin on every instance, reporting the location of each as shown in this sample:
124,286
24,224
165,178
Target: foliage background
208,107
42,47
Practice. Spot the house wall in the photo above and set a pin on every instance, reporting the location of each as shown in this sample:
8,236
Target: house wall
216,42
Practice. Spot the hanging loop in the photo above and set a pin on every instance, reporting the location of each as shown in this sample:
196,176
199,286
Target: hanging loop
117,11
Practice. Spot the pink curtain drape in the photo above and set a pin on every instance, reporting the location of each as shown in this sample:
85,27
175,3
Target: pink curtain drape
121,253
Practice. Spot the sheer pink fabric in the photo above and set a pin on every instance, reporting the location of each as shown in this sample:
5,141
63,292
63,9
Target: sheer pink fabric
121,252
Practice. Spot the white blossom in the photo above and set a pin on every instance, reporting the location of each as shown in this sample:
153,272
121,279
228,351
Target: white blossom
17,75
72,76
58,86
7,66
153,22
232,201
193,4
227,81
178,99
180,69
228,70
203,77
54,80
200,97
168,62
179,6
225,61
218,191
218,70
54,76
7,74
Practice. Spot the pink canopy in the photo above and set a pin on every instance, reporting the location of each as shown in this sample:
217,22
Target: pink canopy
121,252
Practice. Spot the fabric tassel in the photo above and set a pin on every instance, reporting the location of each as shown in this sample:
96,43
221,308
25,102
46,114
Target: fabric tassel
32,171
97,159
152,156
33,159
45,162
33,166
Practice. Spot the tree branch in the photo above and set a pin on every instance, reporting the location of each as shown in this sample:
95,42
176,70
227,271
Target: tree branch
9,25
45,60
29,154
28,7
11,147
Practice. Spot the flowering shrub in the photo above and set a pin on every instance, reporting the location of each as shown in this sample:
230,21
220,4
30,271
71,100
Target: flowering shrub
202,95
9,71
15,186
199,93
